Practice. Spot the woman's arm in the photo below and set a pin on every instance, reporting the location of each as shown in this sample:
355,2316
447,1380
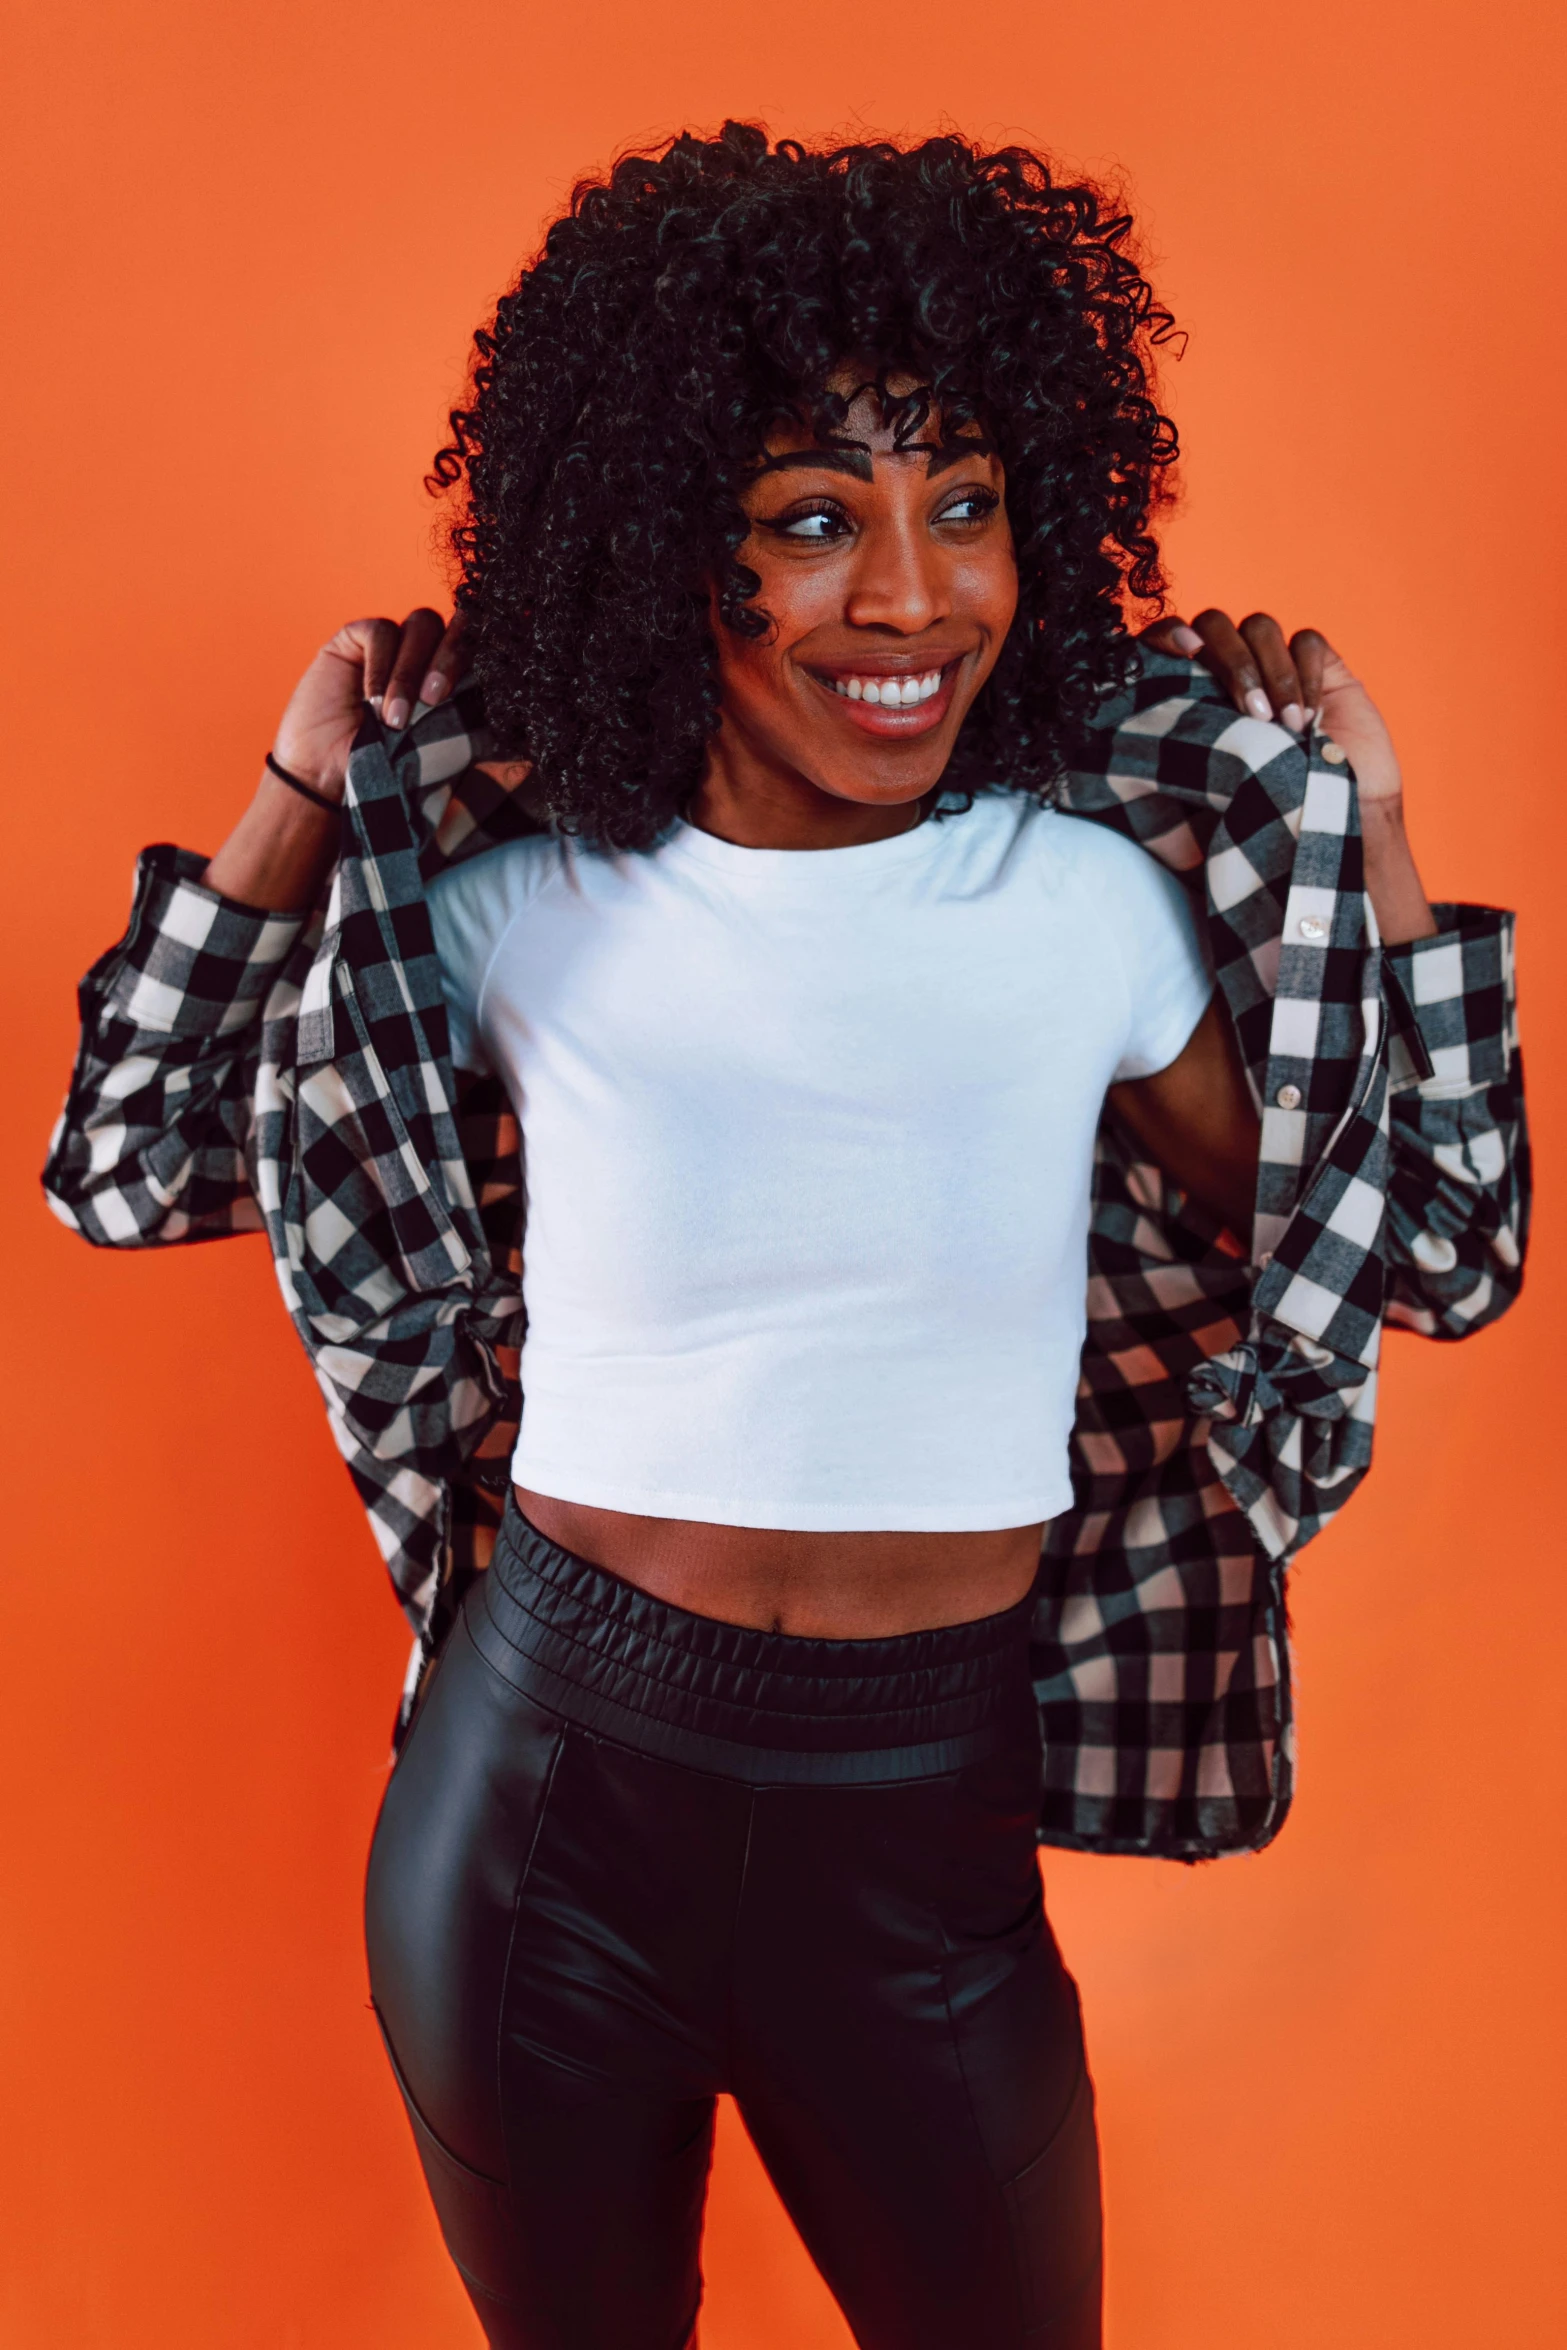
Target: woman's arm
1459,1195
282,849
1195,1119
152,1146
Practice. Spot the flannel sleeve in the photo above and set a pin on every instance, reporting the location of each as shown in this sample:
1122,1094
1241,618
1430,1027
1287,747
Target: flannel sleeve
151,1147
1458,1197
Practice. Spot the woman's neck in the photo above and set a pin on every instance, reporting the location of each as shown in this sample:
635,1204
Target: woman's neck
759,803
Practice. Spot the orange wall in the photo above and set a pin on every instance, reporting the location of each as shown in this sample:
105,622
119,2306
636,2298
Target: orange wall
249,244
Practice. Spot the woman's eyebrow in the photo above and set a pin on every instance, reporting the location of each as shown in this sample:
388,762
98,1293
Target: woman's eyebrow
945,453
855,460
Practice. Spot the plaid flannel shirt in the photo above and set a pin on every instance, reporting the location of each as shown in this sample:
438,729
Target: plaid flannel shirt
243,1071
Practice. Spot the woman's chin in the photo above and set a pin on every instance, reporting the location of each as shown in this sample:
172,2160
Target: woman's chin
885,783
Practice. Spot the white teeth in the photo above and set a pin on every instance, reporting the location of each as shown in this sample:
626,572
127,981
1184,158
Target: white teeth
890,693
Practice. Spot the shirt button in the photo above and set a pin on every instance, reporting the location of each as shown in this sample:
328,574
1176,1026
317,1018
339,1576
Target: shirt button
1288,1097
1334,753
1312,926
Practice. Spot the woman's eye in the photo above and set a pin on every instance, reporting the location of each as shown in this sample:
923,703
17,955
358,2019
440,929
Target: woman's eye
814,524
971,506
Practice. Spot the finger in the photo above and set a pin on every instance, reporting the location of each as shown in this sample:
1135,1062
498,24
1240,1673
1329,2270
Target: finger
1312,653
445,662
1279,679
1226,652
422,632
1172,635
377,642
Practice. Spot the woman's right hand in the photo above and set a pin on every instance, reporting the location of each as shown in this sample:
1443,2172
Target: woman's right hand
377,661
280,852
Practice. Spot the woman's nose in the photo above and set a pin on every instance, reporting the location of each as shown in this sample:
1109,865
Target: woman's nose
899,581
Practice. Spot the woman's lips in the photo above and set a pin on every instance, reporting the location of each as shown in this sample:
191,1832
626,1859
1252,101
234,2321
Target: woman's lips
894,722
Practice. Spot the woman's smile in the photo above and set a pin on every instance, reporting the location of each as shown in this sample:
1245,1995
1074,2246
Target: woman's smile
892,699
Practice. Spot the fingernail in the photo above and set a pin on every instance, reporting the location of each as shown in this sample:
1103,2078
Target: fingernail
1292,716
375,703
395,714
433,687
1187,638
1258,703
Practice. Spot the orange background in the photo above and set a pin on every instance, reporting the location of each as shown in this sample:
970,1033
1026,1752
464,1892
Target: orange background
248,246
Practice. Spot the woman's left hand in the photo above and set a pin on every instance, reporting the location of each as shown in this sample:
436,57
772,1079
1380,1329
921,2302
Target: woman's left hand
1303,683
1298,683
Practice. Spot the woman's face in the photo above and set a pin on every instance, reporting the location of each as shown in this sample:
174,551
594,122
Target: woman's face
891,582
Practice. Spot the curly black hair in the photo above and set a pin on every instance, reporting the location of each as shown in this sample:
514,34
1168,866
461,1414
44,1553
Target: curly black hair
680,308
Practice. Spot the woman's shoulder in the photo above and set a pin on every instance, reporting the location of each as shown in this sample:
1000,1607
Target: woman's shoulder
481,895
1122,886
1069,841
506,869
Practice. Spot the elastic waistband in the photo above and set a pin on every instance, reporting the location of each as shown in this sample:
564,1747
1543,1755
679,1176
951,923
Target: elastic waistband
758,1706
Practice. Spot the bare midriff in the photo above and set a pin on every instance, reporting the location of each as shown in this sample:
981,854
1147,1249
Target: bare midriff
859,1586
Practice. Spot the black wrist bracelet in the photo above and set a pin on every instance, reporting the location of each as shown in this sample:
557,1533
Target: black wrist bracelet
306,791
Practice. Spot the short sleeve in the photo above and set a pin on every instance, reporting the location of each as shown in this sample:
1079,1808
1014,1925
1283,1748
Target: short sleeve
1167,972
472,906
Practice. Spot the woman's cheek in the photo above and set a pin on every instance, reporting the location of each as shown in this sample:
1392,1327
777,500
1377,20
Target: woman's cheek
751,671
993,590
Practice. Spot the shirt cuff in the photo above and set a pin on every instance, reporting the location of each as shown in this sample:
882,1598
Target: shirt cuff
1453,1001
192,962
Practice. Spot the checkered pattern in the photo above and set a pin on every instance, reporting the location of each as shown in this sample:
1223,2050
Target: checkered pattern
1226,1409
241,1071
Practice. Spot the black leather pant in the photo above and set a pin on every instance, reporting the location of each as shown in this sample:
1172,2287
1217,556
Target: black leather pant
631,1857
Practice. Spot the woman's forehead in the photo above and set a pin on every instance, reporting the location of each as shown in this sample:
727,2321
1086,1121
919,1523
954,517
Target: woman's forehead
883,414
865,431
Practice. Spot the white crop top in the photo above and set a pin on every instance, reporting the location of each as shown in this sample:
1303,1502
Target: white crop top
807,1138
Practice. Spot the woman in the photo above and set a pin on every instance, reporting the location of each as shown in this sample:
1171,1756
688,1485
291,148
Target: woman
801,493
